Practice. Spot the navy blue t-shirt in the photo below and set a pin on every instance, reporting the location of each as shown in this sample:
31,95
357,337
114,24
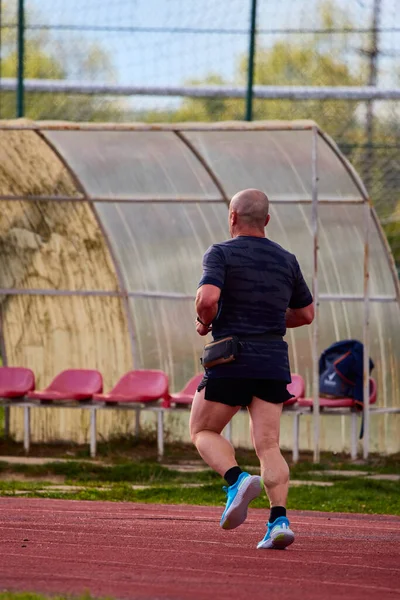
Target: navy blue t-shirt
259,280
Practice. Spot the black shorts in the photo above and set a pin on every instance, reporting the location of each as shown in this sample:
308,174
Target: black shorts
239,392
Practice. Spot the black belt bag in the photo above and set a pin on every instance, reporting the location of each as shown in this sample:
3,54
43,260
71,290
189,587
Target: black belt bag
225,350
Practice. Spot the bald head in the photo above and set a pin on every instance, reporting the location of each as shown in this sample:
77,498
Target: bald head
251,207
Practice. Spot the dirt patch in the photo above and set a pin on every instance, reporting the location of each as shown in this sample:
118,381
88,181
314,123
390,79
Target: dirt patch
20,477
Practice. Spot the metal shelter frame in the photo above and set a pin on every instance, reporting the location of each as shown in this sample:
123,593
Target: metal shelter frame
179,130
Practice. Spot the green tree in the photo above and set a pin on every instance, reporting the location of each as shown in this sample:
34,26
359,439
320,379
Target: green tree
392,231
45,58
298,62
283,64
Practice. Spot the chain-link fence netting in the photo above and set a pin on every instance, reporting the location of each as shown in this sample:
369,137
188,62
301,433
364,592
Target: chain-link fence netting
185,43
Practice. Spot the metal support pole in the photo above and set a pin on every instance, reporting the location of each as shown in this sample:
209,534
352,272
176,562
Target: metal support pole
353,447
250,70
6,422
1,55
296,435
367,214
373,54
21,58
314,223
93,432
160,433
27,428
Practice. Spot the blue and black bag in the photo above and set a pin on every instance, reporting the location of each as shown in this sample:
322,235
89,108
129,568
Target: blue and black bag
332,384
341,371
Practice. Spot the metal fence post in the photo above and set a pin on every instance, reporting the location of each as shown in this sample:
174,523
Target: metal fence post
21,58
250,72
366,333
314,224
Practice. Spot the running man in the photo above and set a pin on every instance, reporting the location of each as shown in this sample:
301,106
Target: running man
254,289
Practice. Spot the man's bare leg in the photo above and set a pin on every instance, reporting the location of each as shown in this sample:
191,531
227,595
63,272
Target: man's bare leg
265,428
207,420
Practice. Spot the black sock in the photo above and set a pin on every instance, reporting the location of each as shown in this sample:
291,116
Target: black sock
232,475
276,512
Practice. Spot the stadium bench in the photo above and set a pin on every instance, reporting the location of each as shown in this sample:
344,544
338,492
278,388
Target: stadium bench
148,390
72,384
296,388
16,382
341,406
138,390
185,396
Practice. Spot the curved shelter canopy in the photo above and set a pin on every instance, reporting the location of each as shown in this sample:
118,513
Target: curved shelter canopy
103,229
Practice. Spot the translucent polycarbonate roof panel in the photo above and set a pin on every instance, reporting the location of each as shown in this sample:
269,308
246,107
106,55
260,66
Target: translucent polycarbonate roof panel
160,246
277,162
166,337
30,168
125,164
341,247
53,245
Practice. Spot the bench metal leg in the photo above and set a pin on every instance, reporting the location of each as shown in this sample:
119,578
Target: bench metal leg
296,436
6,422
93,432
353,450
137,423
160,433
27,428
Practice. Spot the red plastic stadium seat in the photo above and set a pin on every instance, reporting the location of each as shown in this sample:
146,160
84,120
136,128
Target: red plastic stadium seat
297,388
72,384
340,402
185,396
16,382
138,386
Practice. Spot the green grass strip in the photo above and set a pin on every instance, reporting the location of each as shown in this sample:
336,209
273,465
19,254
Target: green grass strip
355,495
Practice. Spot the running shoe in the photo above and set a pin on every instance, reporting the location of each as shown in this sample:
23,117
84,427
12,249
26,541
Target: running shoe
278,536
247,488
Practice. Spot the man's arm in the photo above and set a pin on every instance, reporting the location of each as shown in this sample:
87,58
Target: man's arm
209,290
207,302
301,306
296,317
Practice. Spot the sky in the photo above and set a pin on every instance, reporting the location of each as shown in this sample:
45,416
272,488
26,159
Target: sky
200,36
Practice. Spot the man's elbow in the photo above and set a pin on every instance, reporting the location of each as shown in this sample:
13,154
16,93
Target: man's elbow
206,299
204,303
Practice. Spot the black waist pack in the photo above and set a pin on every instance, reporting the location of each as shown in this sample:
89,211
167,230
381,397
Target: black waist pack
225,350
220,351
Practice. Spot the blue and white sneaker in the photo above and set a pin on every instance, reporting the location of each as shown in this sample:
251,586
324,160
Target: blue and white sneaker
278,536
247,488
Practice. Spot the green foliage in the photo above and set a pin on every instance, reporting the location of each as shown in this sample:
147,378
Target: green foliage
353,495
46,59
346,495
312,61
133,472
298,62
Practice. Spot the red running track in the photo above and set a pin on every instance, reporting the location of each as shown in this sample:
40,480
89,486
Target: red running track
145,551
